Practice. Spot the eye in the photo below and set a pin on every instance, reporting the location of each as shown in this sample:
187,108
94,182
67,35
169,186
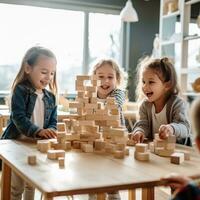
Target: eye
110,77
44,72
52,73
151,82
101,77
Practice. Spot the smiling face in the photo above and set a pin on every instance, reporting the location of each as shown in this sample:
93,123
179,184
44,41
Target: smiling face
42,73
153,88
108,78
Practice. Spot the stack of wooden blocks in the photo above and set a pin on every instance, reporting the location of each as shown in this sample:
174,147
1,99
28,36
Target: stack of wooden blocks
94,127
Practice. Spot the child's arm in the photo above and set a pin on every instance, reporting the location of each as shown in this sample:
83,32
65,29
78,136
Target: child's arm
141,128
19,113
179,122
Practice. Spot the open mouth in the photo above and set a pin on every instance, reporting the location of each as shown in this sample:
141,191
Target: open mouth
43,83
104,87
149,94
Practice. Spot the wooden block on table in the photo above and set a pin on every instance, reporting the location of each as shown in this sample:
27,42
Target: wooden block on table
55,154
68,145
118,154
76,144
93,100
75,105
141,147
91,88
99,145
177,158
61,137
61,161
32,160
43,145
163,152
171,139
88,148
127,151
113,123
120,146
151,147
91,106
142,156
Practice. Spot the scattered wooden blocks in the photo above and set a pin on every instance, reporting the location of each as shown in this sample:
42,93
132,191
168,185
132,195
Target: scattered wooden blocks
61,161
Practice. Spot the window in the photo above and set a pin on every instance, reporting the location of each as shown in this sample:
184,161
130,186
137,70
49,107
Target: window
60,30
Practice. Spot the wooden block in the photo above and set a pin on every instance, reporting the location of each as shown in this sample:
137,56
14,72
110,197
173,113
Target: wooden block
91,88
61,137
171,139
43,145
32,160
127,151
61,127
91,106
164,152
151,147
61,161
114,112
186,154
142,156
83,77
76,144
75,105
55,154
141,147
118,154
96,82
177,158
68,145
130,142
81,94
99,145
120,146
113,123
93,100
86,123
110,100
88,148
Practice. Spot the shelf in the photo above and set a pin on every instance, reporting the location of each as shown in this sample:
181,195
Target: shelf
173,14
191,94
191,37
192,2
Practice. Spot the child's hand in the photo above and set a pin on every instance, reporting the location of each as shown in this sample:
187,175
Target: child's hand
47,133
137,137
176,181
165,131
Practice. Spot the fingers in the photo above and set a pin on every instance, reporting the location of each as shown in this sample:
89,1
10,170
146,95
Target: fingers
48,133
164,132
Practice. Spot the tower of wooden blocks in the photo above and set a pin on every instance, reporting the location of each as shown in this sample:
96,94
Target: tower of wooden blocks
141,152
163,147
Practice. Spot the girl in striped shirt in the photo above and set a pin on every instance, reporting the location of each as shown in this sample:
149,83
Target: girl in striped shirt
111,77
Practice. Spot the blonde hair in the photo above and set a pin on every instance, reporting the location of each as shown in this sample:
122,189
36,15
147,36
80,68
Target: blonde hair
31,58
114,66
165,71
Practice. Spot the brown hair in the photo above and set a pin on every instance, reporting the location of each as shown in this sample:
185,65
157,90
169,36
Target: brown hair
31,58
113,64
164,69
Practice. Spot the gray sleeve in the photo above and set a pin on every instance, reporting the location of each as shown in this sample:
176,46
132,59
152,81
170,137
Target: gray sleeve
143,123
180,122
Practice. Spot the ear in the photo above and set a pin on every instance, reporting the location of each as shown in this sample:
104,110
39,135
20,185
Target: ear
168,85
27,68
197,140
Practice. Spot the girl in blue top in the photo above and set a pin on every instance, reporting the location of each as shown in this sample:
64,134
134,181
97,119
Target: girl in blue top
33,108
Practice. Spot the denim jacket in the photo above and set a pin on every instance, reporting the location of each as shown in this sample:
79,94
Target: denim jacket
22,106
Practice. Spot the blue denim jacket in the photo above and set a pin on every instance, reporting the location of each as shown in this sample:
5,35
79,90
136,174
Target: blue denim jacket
22,106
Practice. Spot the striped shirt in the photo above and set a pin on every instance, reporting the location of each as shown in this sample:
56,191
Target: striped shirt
120,97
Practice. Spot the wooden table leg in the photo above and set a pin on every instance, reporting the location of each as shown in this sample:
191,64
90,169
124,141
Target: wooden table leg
46,197
5,181
101,196
148,193
131,194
